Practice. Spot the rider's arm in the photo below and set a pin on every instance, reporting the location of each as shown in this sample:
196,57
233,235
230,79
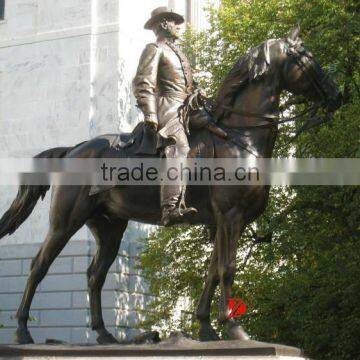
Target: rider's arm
145,82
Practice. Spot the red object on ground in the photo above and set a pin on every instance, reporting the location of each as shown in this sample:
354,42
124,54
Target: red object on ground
236,307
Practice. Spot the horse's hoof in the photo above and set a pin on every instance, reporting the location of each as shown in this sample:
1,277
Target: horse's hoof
236,332
23,336
207,333
106,339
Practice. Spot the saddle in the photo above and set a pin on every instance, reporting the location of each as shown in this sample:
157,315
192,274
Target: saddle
142,143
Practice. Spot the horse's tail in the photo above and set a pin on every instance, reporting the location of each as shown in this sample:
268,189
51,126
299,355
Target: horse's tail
27,197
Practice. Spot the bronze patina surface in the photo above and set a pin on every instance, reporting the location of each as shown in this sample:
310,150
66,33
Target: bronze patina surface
251,90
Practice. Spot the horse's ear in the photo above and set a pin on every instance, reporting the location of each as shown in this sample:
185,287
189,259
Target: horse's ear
294,33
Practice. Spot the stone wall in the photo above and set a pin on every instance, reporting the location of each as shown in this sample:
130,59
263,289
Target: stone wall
60,308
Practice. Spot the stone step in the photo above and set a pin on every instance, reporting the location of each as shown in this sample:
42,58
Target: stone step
188,349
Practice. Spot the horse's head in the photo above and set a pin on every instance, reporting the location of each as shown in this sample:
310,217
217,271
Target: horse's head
302,75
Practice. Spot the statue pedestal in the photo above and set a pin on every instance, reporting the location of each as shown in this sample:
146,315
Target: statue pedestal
188,349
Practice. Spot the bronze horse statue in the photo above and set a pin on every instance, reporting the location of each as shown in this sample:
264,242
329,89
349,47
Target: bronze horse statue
247,103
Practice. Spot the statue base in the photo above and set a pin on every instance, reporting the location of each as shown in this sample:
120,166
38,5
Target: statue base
186,348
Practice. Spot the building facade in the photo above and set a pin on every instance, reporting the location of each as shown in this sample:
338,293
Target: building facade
65,70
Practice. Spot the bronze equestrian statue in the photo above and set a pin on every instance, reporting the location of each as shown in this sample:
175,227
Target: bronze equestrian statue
247,104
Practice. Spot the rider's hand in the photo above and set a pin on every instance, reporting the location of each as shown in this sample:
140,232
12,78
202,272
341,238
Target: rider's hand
151,125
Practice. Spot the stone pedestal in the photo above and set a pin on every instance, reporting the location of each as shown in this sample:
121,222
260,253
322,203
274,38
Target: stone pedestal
166,350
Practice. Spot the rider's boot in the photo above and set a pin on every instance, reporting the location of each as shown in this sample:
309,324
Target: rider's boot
172,213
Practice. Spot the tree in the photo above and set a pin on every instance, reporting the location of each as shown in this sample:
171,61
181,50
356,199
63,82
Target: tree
303,288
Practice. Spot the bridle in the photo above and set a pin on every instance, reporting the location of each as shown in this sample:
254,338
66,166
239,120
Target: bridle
298,55
302,59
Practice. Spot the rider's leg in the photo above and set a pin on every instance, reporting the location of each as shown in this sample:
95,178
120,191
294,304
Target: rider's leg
170,194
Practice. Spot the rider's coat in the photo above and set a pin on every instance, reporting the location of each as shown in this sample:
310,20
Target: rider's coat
162,83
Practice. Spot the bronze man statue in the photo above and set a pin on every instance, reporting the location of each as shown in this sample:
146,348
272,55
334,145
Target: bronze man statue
164,85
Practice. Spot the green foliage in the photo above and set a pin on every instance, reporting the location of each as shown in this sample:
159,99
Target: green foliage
170,251
303,288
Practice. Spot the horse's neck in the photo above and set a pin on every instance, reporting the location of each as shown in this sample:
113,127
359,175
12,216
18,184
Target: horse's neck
260,97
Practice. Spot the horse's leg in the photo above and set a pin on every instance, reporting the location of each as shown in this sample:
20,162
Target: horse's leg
233,225
68,215
108,235
207,332
54,243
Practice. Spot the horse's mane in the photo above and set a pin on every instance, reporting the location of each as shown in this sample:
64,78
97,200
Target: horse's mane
252,66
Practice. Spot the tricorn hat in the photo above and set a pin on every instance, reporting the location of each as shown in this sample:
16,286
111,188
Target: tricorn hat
163,12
